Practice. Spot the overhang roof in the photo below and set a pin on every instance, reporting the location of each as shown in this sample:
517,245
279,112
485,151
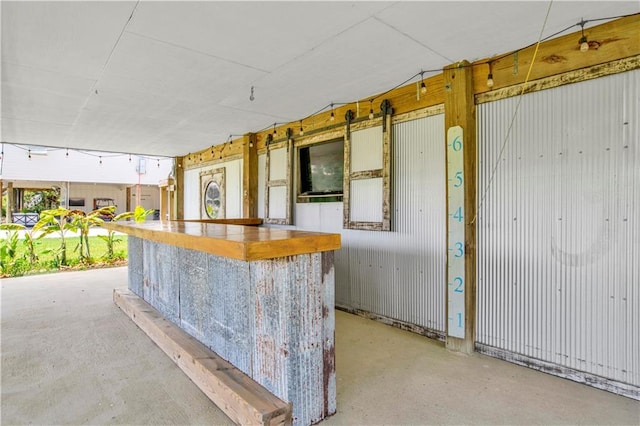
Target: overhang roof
167,78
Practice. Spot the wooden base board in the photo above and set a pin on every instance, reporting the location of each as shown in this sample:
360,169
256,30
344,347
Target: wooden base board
242,399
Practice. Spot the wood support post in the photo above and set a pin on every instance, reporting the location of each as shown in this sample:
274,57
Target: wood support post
249,176
179,189
459,109
10,202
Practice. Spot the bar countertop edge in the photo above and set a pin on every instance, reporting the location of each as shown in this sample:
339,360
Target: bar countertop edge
240,242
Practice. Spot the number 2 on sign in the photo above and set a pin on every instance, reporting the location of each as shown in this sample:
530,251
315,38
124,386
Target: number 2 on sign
459,282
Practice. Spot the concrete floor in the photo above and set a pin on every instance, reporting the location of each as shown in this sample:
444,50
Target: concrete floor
69,356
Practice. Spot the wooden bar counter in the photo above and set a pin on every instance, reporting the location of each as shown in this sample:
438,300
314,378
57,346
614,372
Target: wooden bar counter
260,298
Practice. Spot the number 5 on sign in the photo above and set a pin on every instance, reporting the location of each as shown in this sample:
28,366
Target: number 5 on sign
455,233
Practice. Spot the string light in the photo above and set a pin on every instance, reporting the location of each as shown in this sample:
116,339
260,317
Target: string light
584,46
490,75
423,87
583,42
158,163
67,154
100,160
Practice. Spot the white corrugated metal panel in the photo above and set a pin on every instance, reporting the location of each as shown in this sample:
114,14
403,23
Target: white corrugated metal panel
366,149
559,231
278,164
366,200
401,274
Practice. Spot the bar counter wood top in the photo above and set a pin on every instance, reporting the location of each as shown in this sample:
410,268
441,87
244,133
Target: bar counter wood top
233,241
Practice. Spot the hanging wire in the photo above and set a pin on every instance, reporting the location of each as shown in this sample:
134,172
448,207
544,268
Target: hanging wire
89,153
513,118
420,73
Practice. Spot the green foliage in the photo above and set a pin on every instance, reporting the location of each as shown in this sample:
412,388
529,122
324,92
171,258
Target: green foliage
48,253
40,254
40,200
84,222
9,261
58,220
140,214
29,242
110,238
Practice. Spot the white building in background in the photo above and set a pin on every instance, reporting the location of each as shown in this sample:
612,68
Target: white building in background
83,178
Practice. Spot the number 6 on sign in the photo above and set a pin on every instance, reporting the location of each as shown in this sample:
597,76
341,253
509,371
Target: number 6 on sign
455,233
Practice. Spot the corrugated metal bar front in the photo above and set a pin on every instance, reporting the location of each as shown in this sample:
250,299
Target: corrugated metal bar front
558,229
401,274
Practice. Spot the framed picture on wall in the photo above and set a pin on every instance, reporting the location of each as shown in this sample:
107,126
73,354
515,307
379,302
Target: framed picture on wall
212,194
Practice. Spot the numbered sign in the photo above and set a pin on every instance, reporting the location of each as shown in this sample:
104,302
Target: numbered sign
456,233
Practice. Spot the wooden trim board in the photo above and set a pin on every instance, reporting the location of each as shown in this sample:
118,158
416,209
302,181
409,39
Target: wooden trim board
248,221
242,399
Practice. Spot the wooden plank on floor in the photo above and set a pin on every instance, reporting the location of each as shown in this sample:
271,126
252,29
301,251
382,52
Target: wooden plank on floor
241,398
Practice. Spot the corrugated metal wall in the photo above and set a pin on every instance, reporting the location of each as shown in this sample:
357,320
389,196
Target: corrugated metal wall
398,274
559,231
401,274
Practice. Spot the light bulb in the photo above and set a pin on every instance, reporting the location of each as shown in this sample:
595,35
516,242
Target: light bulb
490,80
332,117
130,158
371,114
584,44
423,88
67,154
301,133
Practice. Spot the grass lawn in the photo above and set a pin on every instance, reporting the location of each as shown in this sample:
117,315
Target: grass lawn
46,249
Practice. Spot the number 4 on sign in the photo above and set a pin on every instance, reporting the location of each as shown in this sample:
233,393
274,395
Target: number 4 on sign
458,214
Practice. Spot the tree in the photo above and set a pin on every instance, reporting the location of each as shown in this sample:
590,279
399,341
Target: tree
58,220
84,222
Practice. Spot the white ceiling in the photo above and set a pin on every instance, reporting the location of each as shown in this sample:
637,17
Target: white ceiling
168,78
